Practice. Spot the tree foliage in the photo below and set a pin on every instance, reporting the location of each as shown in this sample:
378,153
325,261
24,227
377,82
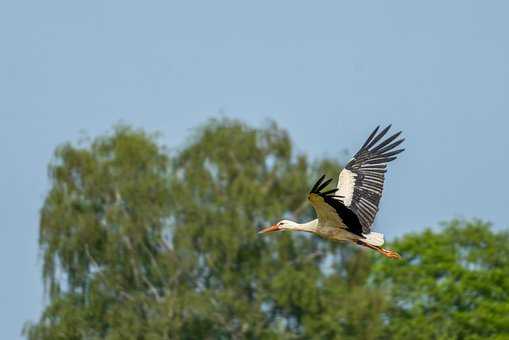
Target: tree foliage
138,243
452,284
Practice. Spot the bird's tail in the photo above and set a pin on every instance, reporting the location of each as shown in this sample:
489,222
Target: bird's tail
375,239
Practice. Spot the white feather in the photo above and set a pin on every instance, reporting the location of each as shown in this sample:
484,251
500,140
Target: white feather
346,185
375,239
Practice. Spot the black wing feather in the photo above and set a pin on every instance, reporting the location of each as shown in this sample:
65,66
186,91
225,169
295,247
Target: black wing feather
369,166
348,217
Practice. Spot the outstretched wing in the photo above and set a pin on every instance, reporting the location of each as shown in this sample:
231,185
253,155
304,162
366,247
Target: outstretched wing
330,208
361,182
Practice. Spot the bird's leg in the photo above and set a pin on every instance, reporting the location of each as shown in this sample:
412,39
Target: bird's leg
385,252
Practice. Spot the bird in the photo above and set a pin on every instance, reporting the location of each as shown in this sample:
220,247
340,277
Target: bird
347,212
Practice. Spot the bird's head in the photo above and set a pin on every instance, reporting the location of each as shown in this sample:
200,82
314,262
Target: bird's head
280,226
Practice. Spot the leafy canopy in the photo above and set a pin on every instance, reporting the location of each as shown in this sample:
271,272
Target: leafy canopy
138,243
452,284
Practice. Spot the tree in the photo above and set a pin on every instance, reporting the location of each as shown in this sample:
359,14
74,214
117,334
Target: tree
452,284
101,230
140,245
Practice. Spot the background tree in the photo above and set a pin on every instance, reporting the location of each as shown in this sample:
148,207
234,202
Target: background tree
452,284
101,231
138,245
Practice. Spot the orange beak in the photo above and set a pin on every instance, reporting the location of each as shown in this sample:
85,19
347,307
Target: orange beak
270,229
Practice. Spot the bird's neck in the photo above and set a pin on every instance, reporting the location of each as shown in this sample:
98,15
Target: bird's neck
310,227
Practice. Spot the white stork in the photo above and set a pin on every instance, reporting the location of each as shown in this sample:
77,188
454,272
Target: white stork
346,212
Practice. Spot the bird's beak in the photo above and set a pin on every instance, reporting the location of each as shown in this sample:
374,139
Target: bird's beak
270,229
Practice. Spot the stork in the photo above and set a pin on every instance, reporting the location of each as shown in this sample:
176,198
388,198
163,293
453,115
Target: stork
347,212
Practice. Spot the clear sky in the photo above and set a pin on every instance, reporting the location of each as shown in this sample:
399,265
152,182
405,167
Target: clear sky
328,71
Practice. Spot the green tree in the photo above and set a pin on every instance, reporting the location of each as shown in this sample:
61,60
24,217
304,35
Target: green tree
140,245
452,284
101,231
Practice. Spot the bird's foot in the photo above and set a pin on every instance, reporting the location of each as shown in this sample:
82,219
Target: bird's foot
390,253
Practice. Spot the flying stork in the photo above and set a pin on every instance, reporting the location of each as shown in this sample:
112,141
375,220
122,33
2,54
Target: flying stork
346,212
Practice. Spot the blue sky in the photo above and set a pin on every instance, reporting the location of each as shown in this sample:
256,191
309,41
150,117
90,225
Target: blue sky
327,71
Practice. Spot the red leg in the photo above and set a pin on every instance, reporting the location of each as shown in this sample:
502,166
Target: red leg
385,252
